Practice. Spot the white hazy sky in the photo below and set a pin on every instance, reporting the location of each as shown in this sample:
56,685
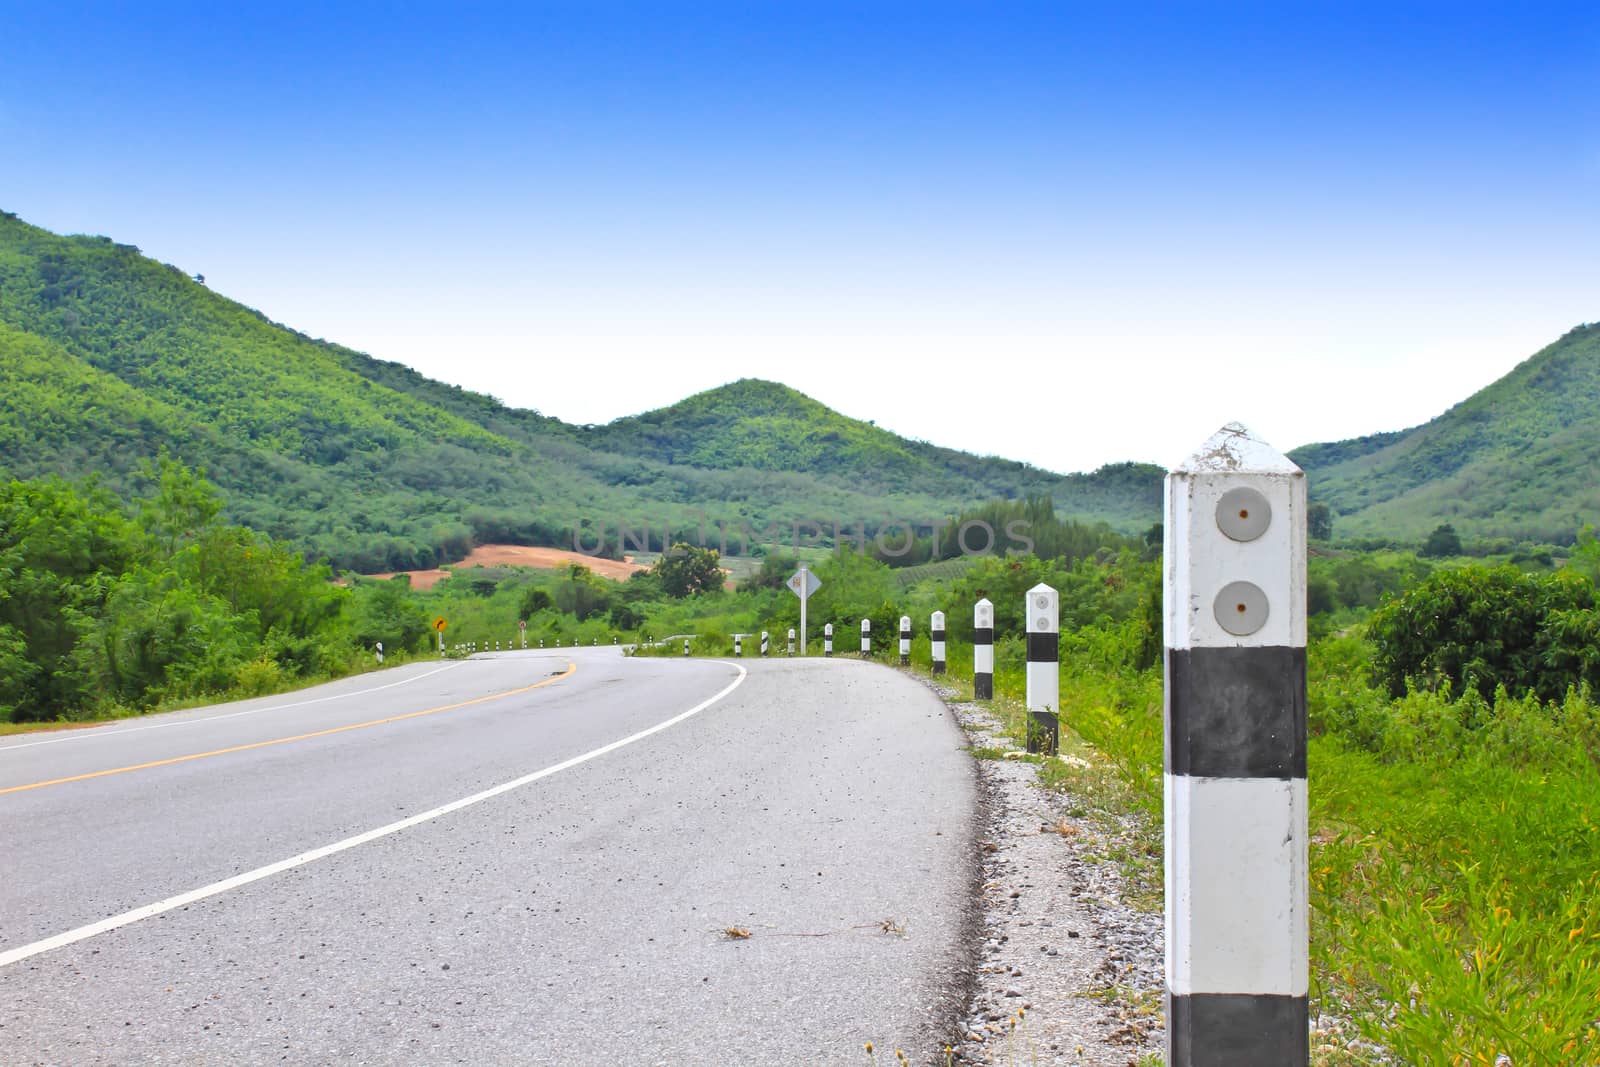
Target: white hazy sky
1062,234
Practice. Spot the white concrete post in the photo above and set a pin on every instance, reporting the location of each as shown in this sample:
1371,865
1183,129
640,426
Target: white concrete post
738,645
866,637
791,640
380,651
827,639
983,650
685,646
936,636
541,642
763,642
1235,782
1043,615
905,640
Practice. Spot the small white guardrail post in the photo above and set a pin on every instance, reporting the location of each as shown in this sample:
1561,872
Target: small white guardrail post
827,639
763,642
685,646
936,639
380,652
905,640
1235,781
983,650
791,640
866,637
1043,608
738,646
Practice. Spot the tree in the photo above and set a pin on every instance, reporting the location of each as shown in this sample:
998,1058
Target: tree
685,570
774,573
534,601
1444,541
388,611
1319,522
184,503
582,594
1483,627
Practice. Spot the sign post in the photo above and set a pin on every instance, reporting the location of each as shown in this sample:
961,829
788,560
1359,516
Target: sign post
802,583
438,627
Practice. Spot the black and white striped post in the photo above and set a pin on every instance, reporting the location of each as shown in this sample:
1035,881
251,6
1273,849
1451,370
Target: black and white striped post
738,645
1043,614
685,646
983,650
827,639
791,640
380,653
905,640
936,639
866,637
763,642
1235,783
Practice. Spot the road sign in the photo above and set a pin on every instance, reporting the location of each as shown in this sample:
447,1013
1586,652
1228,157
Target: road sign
802,583
522,624
439,624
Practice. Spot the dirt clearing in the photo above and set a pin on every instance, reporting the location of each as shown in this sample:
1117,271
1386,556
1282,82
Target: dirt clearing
523,556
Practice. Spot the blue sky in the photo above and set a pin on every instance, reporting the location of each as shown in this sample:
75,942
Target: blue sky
1063,233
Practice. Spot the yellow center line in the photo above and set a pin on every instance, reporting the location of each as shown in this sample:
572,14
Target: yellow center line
571,668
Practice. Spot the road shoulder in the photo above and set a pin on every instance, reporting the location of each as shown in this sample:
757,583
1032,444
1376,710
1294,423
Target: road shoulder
1068,969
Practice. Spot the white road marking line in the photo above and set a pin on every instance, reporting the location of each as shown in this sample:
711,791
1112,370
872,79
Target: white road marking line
127,918
110,731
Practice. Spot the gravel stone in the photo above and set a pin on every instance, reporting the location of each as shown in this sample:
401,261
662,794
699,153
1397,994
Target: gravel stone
1093,987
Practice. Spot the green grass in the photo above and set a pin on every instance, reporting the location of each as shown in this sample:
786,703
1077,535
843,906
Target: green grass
947,570
1455,874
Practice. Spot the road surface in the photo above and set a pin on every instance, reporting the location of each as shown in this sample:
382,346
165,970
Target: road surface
533,857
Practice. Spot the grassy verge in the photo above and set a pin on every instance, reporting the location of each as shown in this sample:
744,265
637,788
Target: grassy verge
1455,855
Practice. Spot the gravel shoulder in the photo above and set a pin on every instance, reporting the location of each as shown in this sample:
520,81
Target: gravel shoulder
1070,966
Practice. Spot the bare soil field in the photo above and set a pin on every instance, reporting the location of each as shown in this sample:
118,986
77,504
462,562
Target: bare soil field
522,556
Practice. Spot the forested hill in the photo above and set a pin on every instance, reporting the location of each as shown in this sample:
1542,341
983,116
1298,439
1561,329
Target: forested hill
761,425
1515,460
109,358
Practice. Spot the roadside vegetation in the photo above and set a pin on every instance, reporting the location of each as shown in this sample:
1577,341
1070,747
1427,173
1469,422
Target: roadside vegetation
1455,737
1454,767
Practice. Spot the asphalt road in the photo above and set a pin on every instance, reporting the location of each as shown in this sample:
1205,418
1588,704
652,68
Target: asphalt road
274,881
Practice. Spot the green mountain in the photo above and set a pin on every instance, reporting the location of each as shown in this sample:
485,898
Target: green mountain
764,426
108,359
1515,460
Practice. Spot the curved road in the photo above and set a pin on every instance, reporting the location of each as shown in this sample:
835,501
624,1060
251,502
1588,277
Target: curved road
528,857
